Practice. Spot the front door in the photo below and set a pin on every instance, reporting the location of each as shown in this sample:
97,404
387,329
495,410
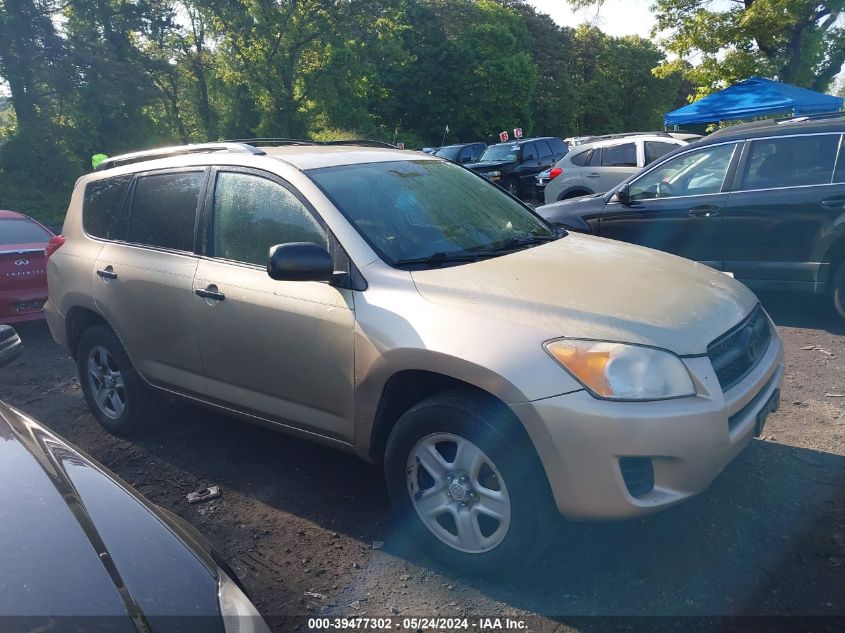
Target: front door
143,282
676,207
783,210
280,350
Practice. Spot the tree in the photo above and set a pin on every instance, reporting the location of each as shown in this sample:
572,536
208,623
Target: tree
794,41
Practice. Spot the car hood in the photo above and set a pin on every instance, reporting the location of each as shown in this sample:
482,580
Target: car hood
487,165
582,286
76,542
574,208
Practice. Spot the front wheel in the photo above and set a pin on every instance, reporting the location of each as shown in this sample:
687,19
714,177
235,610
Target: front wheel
837,289
468,486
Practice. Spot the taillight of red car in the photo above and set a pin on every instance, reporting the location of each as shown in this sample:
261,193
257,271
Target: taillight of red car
53,245
555,172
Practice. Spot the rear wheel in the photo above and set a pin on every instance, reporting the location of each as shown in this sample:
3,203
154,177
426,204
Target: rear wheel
837,289
468,486
115,393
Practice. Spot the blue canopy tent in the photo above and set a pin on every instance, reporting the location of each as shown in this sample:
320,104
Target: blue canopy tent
754,97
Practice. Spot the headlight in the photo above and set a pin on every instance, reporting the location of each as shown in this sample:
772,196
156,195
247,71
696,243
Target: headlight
617,371
239,614
494,174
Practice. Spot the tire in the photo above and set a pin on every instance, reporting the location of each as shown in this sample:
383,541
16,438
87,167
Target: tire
511,185
507,480
115,393
837,289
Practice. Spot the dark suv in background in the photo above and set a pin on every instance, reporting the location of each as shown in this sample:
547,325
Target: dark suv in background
515,164
763,201
462,153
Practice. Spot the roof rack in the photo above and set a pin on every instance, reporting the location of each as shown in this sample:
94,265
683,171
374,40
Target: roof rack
607,137
178,150
300,141
810,117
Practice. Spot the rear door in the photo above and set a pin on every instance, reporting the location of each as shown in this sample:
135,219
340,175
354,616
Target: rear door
144,281
23,277
676,206
618,162
783,210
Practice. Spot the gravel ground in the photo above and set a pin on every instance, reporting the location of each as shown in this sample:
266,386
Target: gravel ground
768,537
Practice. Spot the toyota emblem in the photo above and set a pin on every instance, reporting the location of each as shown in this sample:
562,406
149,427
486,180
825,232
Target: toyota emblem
21,262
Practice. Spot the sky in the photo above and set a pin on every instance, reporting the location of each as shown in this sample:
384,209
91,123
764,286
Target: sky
614,17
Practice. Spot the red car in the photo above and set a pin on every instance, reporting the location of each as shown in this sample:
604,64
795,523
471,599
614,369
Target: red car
23,277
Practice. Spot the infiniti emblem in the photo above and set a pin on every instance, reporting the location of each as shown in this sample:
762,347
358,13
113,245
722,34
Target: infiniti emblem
21,262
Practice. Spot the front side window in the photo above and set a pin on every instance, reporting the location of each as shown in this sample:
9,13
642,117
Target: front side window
102,205
694,173
251,214
624,155
164,209
414,209
791,161
449,153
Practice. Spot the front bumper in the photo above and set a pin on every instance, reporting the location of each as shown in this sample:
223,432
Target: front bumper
688,441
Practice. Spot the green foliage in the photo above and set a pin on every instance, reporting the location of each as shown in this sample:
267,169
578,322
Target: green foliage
795,41
91,76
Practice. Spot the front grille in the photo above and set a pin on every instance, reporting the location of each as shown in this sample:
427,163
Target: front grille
738,351
638,474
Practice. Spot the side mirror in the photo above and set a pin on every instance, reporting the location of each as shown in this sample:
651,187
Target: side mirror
300,261
623,194
10,345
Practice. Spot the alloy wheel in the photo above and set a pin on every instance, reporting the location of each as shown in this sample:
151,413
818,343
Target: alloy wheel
106,382
458,493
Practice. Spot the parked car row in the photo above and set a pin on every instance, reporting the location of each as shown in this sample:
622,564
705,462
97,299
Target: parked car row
763,202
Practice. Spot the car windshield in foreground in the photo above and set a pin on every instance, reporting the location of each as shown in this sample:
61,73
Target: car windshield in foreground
430,213
449,152
508,153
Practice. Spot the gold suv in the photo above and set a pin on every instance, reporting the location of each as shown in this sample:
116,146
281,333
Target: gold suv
400,307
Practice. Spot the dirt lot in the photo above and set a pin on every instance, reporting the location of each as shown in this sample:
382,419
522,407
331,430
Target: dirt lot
767,538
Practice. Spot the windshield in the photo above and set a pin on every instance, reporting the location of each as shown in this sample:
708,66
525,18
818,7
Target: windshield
509,153
415,209
449,152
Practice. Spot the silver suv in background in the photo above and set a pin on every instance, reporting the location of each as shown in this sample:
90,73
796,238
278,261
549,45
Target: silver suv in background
403,308
600,165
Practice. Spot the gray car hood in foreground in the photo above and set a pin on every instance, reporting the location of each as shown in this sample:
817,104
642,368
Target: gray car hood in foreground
77,548
582,286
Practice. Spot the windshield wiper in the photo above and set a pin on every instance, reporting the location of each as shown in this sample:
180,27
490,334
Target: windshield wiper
514,243
439,258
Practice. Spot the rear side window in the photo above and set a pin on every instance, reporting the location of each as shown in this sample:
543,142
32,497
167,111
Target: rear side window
251,214
558,146
791,161
624,155
164,209
544,149
21,232
101,207
839,172
656,149
582,159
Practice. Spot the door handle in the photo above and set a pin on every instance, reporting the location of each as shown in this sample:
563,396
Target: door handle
594,175
704,211
836,204
210,293
107,273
